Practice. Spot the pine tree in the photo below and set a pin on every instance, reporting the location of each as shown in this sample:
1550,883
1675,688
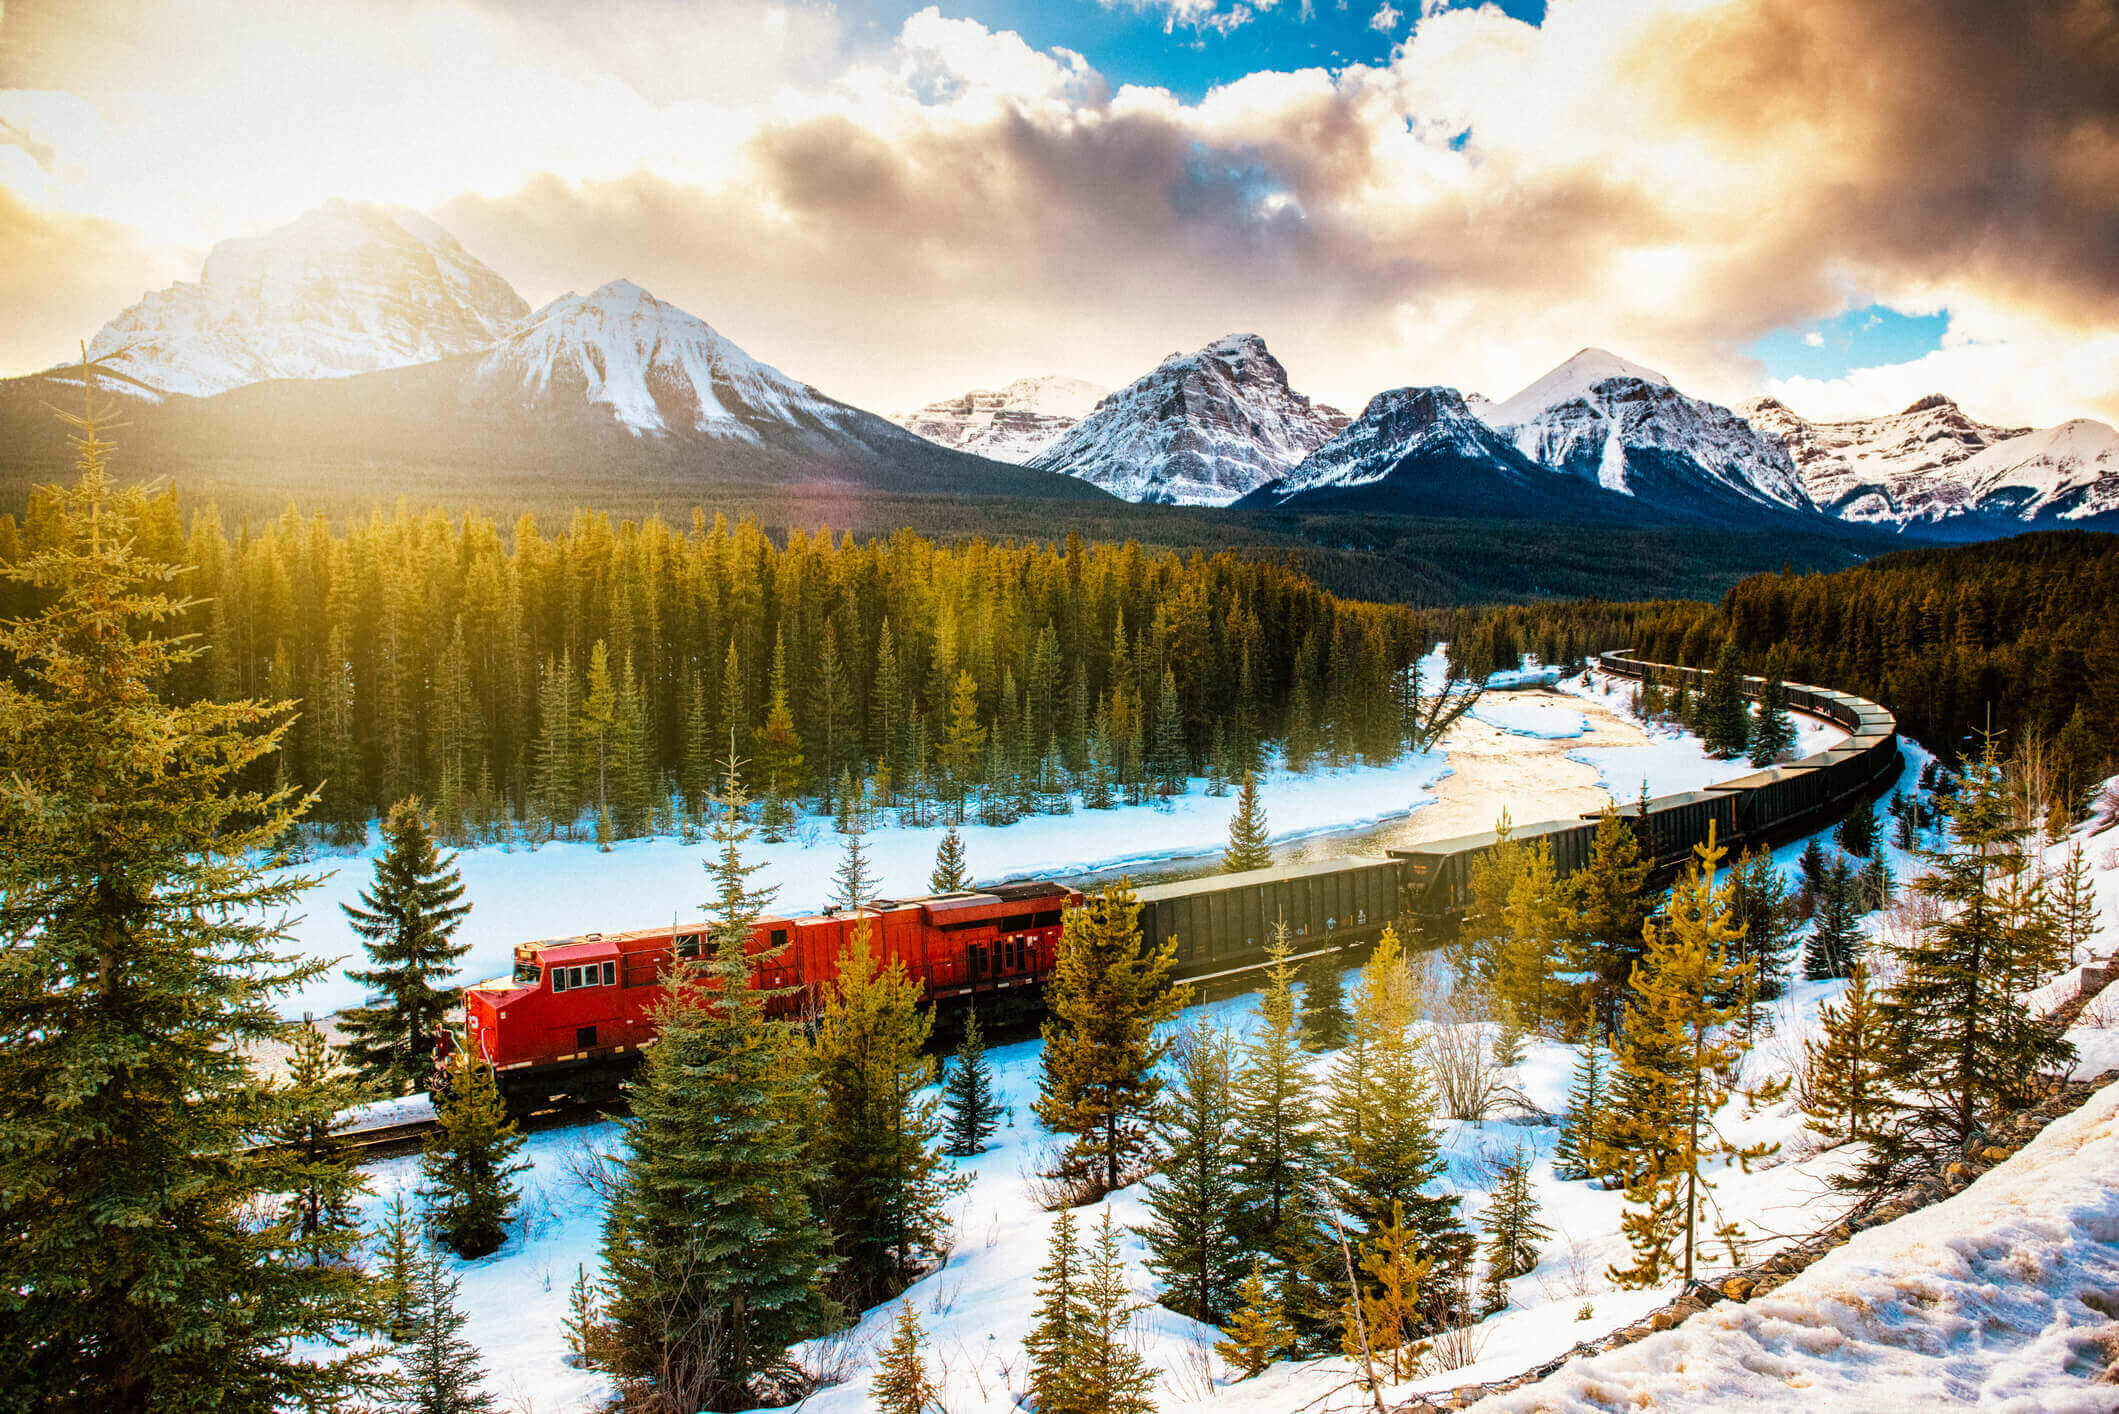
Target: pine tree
583,1323
951,872
1059,1331
776,747
1765,914
1857,832
1277,1147
967,1091
1537,922
1250,843
1581,1137
962,749
407,919
1772,729
1874,886
853,883
1169,740
1513,1231
714,1255
2073,904
469,1161
1842,1085
1258,1332
901,1384
397,1270
1674,1059
1960,1042
1324,1019
1393,1298
1835,931
1725,726
557,799
1813,871
595,728
1191,1199
440,1372
144,957
1114,1378
316,1163
883,1178
1105,1000
1611,903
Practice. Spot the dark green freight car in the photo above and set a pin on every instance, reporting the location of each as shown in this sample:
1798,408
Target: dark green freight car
1225,922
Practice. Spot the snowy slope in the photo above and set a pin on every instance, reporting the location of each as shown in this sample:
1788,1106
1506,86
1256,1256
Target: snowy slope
347,288
1202,429
656,368
1626,429
1875,468
1011,424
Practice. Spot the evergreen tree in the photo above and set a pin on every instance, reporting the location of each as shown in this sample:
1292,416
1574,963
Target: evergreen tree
973,1112
440,1373
1105,1000
594,729
776,747
1250,843
397,1270
1772,729
1842,1086
1611,902
1960,1042
584,1321
2073,903
1538,921
1725,725
1392,1300
554,781
318,1170
1674,1059
1857,832
144,956
1813,872
1765,915
1171,767
1191,1200
469,1161
1258,1332
1874,886
1059,1331
883,1178
1581,1137
1513,1231
1324,1019
1277,1149
407,919
714,1255
962,749
951,872
1114,1378
853,884
901,1384
1905,815
1835,931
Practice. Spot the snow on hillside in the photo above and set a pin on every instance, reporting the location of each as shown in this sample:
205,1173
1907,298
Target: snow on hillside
1533,719
656,368
1401,431
1202,429
1564,384
1871,469
1011,424
1974,1301
347,288
2070,471
1675,760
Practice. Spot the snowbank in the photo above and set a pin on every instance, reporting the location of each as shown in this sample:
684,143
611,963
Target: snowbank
1983,1300
1528,717
1675,760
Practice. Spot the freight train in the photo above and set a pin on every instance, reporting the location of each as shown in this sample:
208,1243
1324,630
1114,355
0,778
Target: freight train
571,1020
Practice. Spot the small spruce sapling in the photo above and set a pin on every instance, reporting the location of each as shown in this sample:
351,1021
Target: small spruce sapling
1324,1015
973,1113
901,1384
1258,1333
469,1162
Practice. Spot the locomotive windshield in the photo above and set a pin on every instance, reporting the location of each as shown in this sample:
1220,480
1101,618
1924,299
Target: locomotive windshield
526,972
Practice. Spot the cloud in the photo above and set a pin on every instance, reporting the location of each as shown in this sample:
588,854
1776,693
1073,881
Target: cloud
899,216
1385,20
64,272
1814,339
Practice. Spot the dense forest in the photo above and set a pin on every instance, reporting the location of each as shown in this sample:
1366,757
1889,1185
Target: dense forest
591,679
2019,635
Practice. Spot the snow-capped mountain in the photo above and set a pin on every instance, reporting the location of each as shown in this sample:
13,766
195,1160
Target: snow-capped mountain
347,288
1011,424
1877,468
1627,429
1408,445
656,368
1203,429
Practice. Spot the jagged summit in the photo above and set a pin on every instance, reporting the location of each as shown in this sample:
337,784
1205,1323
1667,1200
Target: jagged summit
1202,428
346,288
656,367
1011,424
1932,402
1881,469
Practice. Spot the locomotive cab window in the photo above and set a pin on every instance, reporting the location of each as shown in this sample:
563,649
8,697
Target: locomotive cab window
527,974
559,979
688,945
610,974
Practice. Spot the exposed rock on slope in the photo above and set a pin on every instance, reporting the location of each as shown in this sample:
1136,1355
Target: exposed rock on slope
1011,424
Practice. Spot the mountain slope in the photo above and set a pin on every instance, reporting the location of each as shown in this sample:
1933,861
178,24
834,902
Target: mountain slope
1011,424
1202,429
1626,429
1873,469
347,288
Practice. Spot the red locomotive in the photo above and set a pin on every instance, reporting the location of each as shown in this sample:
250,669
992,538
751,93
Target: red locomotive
571,1020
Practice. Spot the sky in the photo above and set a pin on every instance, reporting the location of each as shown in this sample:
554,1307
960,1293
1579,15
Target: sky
1845,206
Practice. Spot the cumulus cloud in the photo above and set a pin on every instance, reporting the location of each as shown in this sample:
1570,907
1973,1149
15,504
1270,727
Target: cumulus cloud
899,217
1385,20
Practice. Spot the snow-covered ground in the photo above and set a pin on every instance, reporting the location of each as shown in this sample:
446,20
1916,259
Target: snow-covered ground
1675,760
1976,1301
1530,717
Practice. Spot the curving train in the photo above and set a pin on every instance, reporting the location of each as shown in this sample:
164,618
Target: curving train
571,1020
